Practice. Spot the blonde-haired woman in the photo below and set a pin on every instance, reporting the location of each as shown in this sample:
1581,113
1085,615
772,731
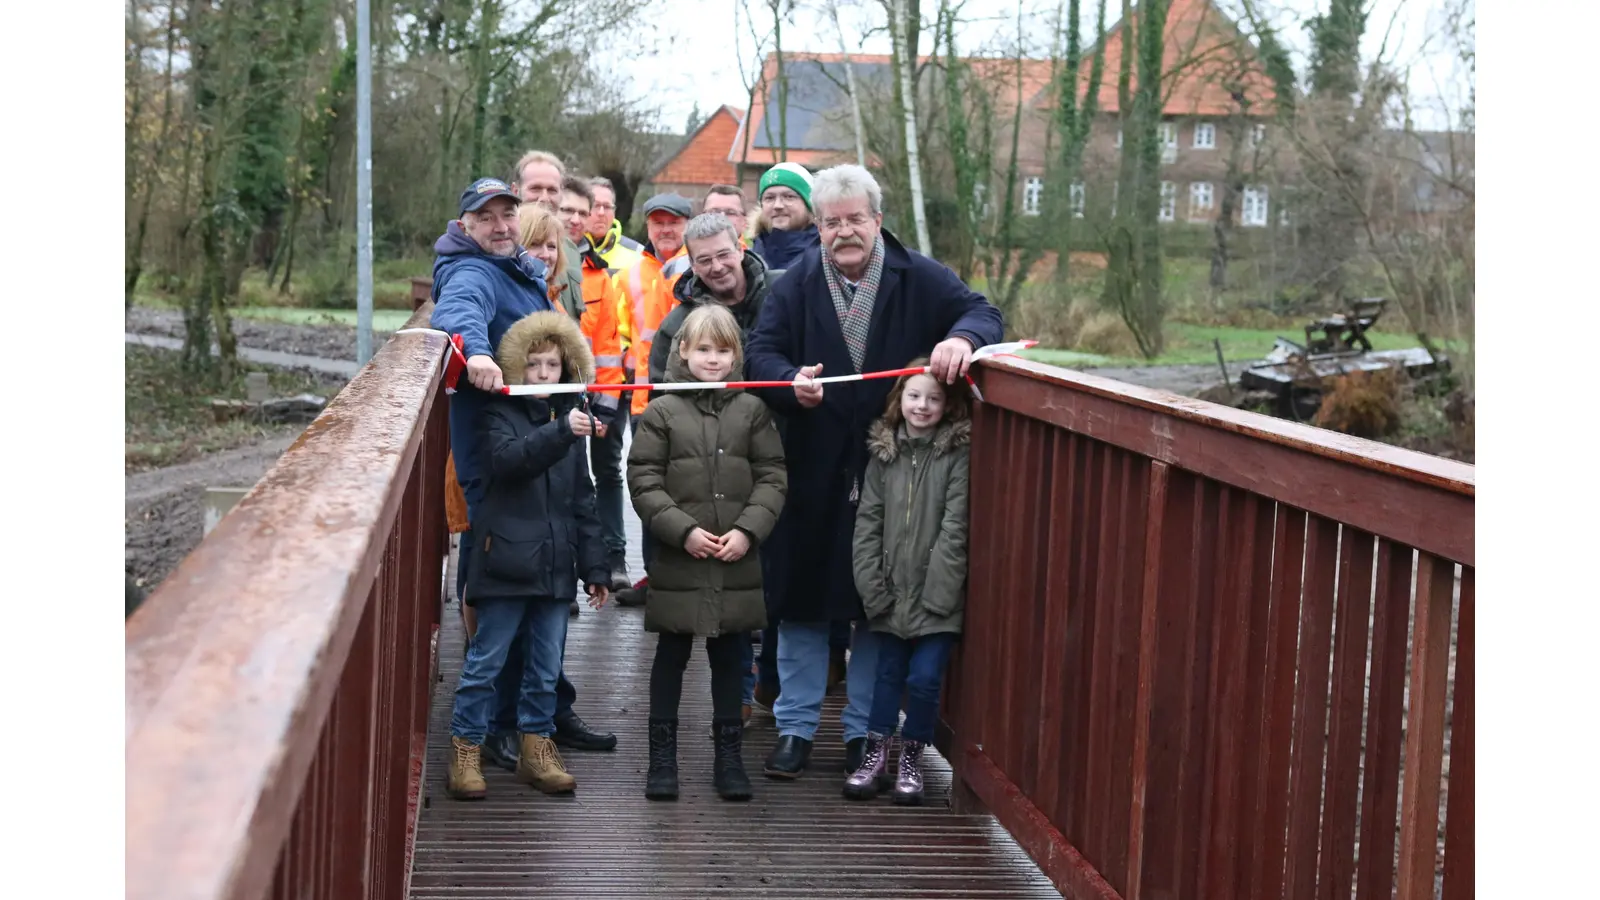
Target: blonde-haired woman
540,234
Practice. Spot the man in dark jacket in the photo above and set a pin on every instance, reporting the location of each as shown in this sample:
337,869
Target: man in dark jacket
483,283
785,194
720,272
865,303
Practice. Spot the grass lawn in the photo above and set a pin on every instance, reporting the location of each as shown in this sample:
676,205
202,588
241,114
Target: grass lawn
1191,345
168,422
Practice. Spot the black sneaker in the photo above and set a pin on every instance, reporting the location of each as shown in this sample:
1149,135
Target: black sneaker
573,732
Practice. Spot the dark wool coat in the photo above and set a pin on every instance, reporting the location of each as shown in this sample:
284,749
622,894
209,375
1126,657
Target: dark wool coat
919,304
911,530
712,460
536,533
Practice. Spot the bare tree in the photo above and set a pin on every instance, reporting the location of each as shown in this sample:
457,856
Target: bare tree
905,61
850,84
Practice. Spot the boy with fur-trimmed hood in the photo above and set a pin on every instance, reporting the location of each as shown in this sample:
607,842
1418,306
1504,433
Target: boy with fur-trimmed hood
535,535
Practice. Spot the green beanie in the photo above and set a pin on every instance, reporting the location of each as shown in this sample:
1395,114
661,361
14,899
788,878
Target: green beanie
792,176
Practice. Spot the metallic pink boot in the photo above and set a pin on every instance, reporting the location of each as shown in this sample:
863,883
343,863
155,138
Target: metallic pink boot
908,784
873,776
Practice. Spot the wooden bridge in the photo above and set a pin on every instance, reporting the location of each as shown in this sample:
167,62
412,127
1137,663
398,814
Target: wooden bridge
1209,655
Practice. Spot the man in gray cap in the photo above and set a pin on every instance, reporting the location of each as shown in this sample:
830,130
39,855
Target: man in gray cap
647,298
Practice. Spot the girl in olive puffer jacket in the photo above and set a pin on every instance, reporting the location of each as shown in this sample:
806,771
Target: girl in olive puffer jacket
910,557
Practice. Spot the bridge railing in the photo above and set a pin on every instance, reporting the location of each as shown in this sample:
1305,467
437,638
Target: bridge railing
278,681
1211,654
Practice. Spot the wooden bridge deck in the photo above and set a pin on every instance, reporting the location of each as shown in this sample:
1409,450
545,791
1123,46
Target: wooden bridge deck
793,840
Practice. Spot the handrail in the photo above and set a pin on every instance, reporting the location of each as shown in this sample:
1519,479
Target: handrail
277,681
1173,610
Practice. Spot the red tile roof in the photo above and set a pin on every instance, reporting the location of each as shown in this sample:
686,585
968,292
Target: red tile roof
703,158
1204,48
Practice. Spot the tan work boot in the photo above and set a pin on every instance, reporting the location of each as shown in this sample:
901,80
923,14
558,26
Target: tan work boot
466,771
540,765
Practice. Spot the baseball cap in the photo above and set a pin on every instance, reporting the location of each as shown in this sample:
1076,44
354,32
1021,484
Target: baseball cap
482,191
672,203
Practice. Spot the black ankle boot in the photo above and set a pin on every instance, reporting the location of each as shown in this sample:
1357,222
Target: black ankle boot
728,774
661,782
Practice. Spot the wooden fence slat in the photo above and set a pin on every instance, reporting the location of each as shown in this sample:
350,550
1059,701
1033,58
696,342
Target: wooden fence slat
1311,707
1459,863
1380,780
1336,862
1424,760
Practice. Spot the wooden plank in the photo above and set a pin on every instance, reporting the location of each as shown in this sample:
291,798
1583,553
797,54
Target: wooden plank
1402,502
1380,779
1060,861
1053,674
1004,682
1311,706
1446,473
1424,759
1228,685
1102,674
1078,825
1155,522
1336,862
1132,477
1459,863
1167,639
1262,516
1272,779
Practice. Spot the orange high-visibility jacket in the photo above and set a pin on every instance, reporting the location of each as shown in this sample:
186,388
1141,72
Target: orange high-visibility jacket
647,298
599,326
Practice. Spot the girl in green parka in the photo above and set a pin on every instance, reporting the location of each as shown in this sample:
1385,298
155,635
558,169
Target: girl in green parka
707,478
910,556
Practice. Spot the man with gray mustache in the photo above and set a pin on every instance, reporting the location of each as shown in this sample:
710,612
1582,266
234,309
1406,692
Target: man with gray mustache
864,303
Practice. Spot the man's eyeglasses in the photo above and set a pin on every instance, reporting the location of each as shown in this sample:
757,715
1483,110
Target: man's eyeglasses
859,220
722,256
570,211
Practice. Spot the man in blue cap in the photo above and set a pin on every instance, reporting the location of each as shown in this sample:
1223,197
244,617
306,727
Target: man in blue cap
483,283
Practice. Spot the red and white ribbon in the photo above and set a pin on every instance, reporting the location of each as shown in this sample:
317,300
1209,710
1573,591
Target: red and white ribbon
456,363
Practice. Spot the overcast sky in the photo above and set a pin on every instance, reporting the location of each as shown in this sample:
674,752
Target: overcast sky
698,47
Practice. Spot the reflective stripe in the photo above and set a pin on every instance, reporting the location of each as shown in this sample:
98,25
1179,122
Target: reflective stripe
675,267
641,376
590,341
608,360
649,334
606,400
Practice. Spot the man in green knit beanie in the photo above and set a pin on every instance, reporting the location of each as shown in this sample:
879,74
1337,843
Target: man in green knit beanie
785,194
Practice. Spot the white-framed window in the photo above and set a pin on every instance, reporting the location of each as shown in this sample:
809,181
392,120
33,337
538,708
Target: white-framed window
1167,137
1258,134
1076,197
1032,194
1200,199
1119,137
1169,201
1253,211
1205,136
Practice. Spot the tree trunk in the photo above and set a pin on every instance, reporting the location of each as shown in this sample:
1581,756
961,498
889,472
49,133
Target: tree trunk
850,84
783,83
907,61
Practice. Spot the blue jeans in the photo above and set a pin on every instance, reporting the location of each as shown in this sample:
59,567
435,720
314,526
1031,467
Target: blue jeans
803,649
915,667
540,626
605,457
508,684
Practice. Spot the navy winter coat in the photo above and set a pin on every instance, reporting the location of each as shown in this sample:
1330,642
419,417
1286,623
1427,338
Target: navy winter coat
479,296
784,249
919,304
536,533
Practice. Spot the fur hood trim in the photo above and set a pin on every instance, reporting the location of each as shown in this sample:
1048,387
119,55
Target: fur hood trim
883,440
577,362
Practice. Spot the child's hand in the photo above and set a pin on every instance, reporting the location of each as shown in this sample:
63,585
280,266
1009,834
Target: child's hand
702,543
579,421
735,544
598,595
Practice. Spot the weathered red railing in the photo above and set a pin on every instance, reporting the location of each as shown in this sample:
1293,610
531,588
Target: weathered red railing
1163,690
278,681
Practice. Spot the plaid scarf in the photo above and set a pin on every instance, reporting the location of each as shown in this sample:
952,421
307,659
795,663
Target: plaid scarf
855,314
